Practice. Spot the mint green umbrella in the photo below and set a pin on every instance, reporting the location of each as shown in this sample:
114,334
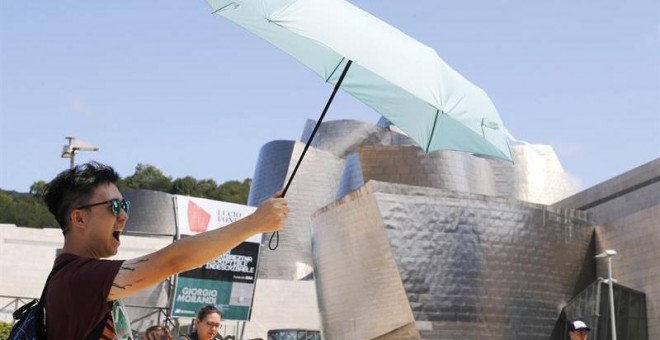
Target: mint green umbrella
399,77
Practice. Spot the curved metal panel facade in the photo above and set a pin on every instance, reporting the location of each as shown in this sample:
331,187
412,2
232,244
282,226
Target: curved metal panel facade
343,137
384,154
535,176
152,213
450,254
348,153
470,266
314,186
411,165
270,171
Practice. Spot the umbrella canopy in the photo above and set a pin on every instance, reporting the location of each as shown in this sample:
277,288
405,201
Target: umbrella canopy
399,77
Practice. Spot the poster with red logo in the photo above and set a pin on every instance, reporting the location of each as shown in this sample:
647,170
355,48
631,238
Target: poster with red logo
226,282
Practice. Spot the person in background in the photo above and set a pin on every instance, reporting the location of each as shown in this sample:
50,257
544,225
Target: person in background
84,296
578,330
207,325
157,332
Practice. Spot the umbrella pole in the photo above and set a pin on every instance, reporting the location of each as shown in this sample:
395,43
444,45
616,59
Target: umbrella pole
309,141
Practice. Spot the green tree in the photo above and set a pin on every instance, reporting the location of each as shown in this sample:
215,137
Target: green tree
29,209
147,177
24,210
233,191
184,186
38,189
206,188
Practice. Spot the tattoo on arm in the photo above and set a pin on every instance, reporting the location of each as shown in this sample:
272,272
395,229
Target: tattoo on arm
121,287
126,267
130,267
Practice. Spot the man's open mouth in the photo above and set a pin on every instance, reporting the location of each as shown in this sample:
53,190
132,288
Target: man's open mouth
116,234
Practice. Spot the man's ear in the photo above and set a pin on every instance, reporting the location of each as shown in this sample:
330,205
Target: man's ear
77,218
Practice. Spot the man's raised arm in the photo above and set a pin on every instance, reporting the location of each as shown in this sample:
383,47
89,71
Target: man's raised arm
192,252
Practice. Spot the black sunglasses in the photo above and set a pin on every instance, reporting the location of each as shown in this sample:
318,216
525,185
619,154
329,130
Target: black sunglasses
117,205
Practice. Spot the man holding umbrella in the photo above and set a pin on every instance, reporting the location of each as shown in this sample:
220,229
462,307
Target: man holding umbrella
83,299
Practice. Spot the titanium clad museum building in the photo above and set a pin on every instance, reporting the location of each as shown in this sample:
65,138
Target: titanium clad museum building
387,242
398,244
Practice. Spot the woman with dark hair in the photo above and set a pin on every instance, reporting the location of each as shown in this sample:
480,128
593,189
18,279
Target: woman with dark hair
157,333
207,324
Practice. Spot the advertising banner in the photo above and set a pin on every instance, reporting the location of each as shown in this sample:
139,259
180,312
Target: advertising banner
226,282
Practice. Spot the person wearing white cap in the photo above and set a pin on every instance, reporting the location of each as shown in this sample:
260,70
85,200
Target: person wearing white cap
578,330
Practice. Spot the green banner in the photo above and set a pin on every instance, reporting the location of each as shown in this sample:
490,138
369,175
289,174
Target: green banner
193,294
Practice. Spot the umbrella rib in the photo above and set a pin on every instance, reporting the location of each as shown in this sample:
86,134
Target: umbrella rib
336,67
435,121
483,133
225,6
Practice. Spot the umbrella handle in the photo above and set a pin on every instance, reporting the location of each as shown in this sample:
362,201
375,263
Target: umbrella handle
309,141
277,240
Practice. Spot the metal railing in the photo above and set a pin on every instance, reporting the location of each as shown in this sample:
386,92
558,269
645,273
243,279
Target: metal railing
161,314
8,304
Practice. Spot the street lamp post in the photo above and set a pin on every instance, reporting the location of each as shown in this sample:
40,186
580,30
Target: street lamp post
608,254
75,145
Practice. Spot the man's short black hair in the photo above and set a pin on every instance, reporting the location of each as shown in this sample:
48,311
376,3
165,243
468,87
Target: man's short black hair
74,187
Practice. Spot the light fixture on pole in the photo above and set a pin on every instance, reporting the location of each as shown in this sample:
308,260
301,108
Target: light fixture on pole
608,254
75,145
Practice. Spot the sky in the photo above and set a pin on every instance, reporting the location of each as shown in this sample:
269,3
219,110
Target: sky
169,84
